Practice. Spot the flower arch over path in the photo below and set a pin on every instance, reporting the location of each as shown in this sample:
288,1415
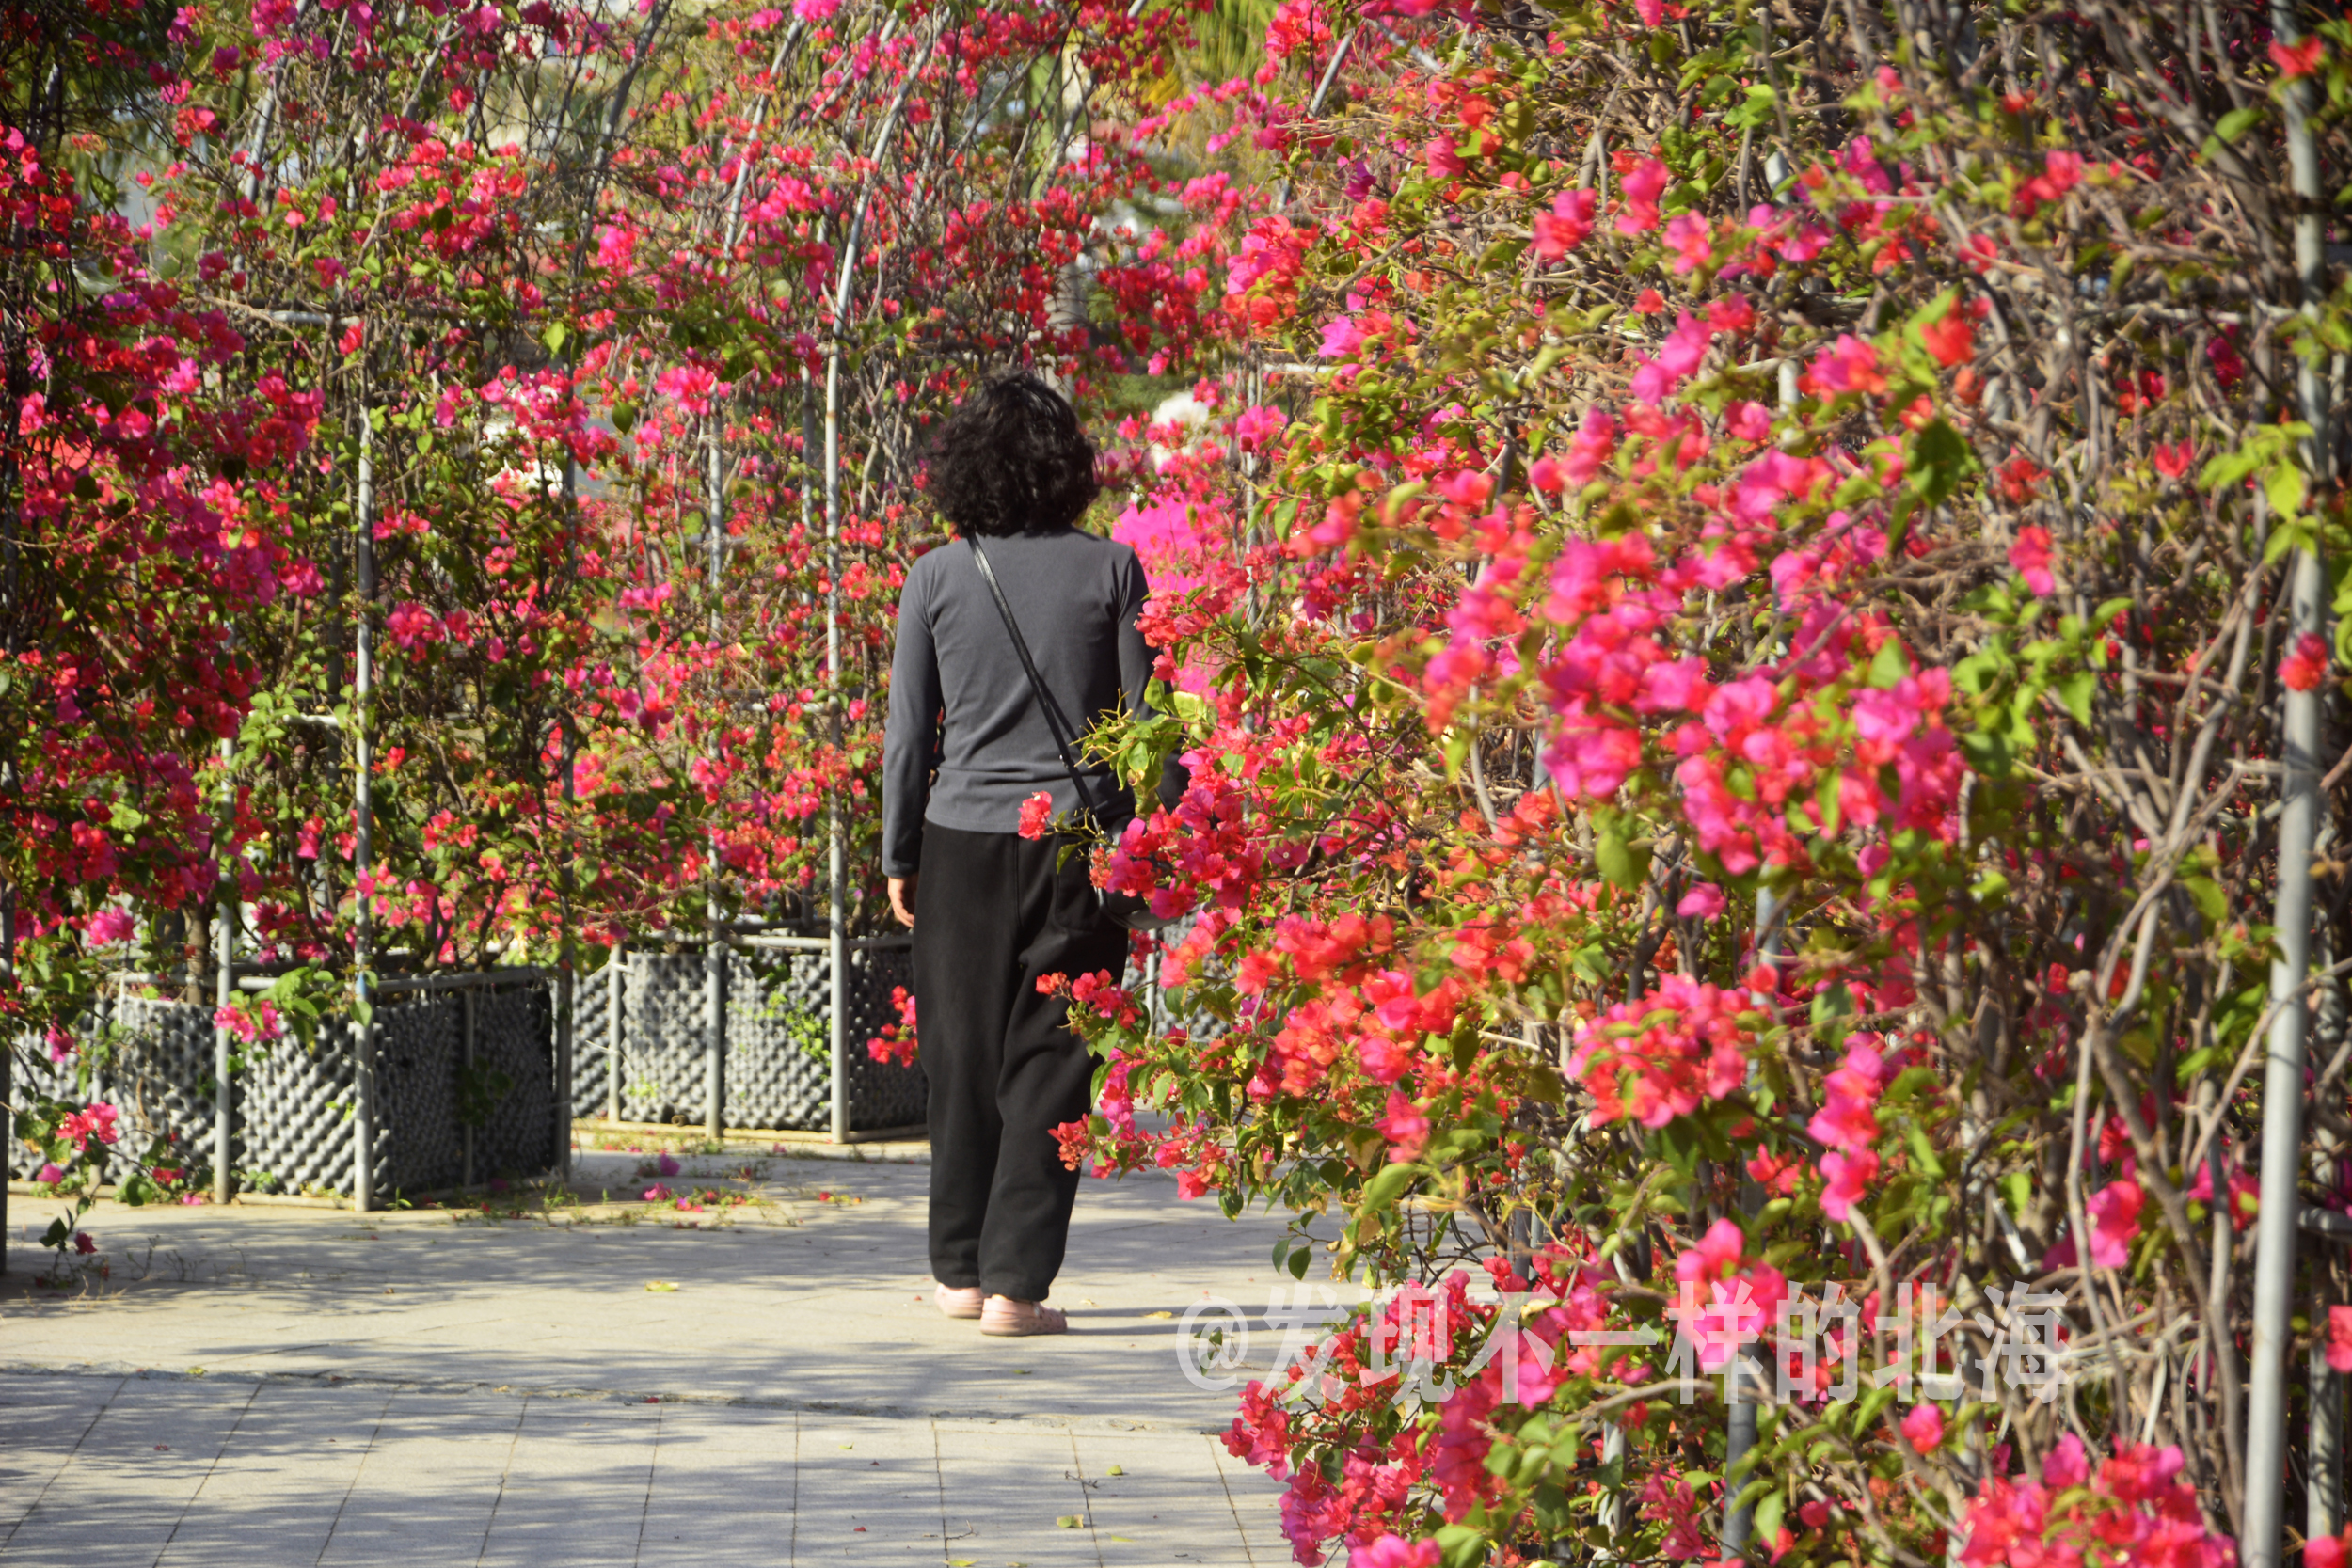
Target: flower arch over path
1750,580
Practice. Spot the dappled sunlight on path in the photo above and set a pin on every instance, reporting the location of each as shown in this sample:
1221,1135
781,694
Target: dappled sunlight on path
273,1385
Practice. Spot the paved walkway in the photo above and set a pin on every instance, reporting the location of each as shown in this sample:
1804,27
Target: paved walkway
266,1386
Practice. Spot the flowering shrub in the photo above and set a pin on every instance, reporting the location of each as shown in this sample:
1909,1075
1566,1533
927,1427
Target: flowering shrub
1731,718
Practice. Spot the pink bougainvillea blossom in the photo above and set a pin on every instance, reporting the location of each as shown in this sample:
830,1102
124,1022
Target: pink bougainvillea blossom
1643,184
2306,665
1923,1425
2340,1338
1567,225
1662,1056
2030,557
97,1120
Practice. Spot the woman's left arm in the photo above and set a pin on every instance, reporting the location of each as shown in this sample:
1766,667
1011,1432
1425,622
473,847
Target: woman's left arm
1135,656
1136,660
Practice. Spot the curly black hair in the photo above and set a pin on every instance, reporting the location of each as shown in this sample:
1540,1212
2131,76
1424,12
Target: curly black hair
1011,459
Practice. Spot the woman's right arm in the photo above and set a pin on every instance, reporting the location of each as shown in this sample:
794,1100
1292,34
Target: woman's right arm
911,733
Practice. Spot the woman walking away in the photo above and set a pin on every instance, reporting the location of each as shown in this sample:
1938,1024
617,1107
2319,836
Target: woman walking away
967,742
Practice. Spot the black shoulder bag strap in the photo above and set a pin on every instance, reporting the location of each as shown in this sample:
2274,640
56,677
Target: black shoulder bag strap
1055,722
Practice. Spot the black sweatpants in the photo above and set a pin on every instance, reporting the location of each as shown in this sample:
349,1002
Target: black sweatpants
993,914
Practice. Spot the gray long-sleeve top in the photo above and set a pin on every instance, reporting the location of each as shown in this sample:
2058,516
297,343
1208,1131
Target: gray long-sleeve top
960,703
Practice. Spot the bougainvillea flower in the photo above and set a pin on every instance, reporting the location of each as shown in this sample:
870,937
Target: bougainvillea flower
2306,666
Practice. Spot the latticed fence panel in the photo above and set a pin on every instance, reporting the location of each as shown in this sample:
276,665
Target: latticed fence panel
777,1030
777,1004
514,1037
159,1079
1176,1011
662,1039
592,1036
881,1093
419,1050
294,1104
35,1076
162,1073
295,1127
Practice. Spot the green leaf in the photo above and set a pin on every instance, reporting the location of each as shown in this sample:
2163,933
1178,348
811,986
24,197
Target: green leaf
2238,121
1621,863
1462,1546
2292,534
2017,1192
2284,483
2075,691
1383,1190
1872,1401
2226,468
555,337
1937,462
1889,665
1501,255
1756,110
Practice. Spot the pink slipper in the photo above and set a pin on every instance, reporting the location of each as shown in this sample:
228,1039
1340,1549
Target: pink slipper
955,1303
1009,1318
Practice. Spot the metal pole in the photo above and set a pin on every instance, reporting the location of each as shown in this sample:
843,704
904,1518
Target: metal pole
563,992
2282,1102
837,847
613,1002
467,996
836,964
2323,1512
362,683
2299,824
1739,1412
715,950
1315,106
1611,1511
565,981
224,981
714,1030
836,954
7,1042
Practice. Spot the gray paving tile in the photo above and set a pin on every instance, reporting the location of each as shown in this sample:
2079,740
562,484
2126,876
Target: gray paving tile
833,1309
428,1483
274,1493
141,1463
1002,1490
1257,1506
576,1491
867,1491
725,1485
41,1422
1167,1506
